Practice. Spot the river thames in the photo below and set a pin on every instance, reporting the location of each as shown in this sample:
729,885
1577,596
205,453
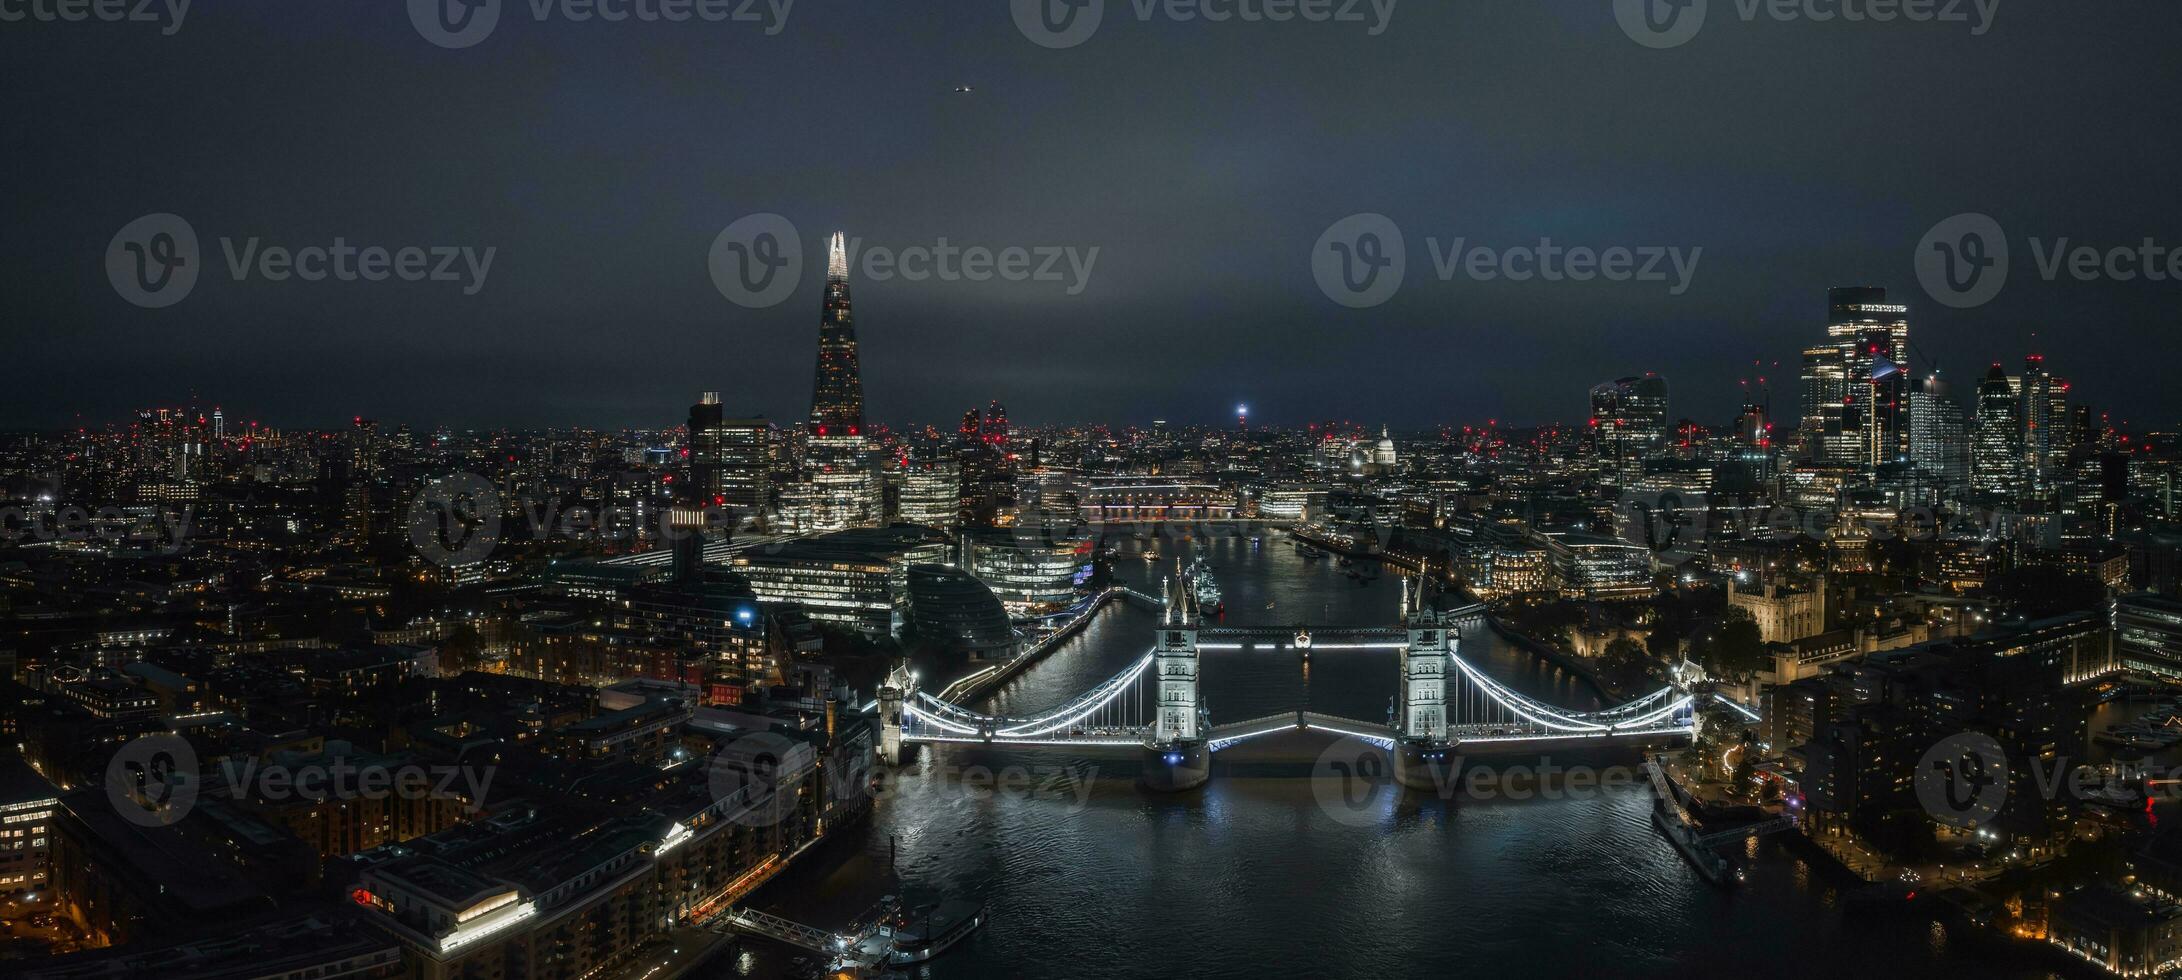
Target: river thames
1265,872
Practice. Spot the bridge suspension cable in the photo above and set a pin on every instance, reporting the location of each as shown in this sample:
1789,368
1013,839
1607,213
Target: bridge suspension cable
1104,705
1561,720
1083,707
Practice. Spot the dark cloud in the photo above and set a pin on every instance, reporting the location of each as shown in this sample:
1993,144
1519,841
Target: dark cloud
1202,160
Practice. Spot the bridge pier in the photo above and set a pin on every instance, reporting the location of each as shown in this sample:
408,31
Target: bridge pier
1425,765
1172,767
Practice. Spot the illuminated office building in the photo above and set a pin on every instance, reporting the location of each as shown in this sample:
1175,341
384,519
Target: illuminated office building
729,458
2046,432
1938,434
1996,450
1855,385
932,493
27,804
1036,571
856,578
1628,420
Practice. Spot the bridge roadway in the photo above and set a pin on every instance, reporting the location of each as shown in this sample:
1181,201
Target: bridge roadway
1338,638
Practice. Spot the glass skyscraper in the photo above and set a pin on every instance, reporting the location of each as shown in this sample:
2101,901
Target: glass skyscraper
839,487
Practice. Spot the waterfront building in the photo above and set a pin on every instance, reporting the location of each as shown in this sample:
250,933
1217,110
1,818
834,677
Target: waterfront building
2126,934
951,611
1288,502
857,578
1859,765
1153,500
2148,634
1591,567
1035,570
1506,558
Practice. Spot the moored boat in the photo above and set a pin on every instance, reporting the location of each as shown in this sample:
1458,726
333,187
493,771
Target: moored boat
933,930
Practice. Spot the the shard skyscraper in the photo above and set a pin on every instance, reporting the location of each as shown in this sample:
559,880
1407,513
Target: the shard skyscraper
839,488
837,391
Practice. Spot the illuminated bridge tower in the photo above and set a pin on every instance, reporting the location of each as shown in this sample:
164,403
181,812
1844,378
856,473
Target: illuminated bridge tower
1177,755
900,685
1422,756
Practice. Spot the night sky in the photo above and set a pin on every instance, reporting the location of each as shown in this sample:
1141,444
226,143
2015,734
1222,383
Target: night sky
1203,160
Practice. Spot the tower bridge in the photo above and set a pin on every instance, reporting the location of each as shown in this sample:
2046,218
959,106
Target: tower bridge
1443,705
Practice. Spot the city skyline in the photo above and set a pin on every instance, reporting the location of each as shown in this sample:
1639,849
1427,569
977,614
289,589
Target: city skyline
1090,490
